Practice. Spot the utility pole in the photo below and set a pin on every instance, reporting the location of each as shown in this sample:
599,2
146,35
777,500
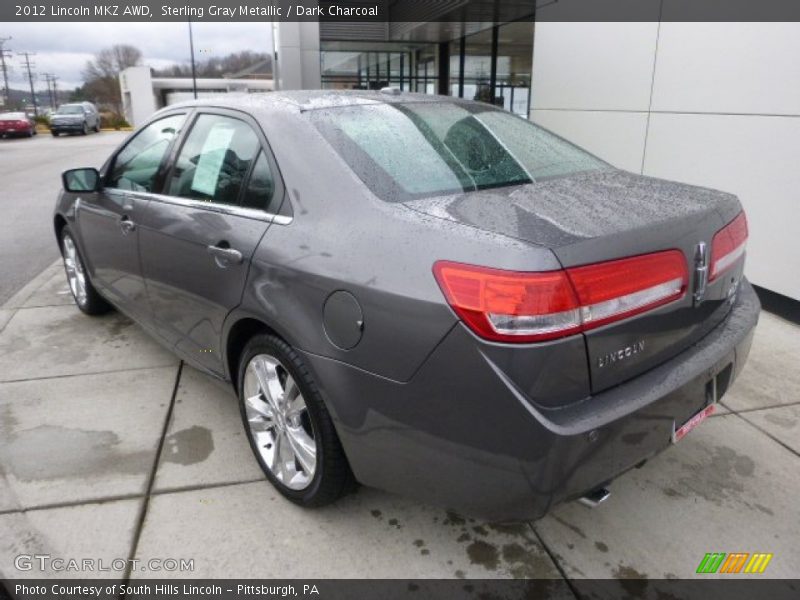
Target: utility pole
194,67
51,79
4,54
47,80
54,79
28,67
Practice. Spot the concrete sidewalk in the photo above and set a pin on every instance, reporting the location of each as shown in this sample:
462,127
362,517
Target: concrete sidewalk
109,448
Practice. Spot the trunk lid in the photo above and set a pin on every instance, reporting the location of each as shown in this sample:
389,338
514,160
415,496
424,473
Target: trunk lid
611,214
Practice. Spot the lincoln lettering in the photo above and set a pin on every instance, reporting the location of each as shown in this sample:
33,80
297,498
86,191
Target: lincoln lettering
622,354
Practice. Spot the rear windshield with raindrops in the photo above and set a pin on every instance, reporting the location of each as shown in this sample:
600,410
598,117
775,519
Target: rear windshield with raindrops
415,150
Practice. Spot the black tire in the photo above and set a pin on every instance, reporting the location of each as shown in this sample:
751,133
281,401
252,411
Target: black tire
97,128
332,477
55,133
93,303
85,129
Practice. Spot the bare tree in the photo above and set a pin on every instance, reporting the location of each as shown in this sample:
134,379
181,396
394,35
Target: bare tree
101,74
241,64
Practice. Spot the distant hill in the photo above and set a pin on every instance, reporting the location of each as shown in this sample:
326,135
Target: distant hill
239,65
22,99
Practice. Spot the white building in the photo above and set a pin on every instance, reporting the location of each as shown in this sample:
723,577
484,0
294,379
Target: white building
712,104
143,94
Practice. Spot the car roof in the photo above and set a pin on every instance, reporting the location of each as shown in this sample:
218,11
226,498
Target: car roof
305,100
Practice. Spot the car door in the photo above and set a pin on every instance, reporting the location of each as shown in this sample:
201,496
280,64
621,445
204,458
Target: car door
108,220
200,233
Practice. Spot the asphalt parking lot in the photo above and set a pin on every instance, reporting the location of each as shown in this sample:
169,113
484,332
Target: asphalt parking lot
30,172
109,448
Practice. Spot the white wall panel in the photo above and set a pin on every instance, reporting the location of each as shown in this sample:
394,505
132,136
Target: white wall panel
753,157
728,68
616,137
605,66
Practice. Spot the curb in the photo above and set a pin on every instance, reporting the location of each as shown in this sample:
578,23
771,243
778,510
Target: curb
20,297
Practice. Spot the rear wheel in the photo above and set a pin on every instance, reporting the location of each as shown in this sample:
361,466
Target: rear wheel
289,429
55,133
86,297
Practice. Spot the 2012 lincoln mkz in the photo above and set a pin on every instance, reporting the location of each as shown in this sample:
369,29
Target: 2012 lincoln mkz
421,294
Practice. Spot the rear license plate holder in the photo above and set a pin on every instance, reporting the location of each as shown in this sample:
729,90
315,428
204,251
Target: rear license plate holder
680,432
712,395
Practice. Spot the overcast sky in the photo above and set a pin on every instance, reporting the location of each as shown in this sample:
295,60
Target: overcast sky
63,48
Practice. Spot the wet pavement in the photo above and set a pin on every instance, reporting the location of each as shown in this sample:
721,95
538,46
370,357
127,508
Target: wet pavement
109,448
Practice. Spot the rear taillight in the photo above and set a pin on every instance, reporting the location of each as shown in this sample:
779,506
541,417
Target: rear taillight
728,245
512,306
618,289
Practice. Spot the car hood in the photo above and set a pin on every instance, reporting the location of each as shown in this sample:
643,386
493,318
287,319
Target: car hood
568,210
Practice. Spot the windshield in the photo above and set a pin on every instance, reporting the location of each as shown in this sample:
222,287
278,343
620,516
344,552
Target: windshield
408,151
70,109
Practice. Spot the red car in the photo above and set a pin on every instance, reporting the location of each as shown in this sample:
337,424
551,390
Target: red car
16,123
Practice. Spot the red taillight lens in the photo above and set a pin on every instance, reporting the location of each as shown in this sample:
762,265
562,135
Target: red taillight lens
617,289
728,245
511,306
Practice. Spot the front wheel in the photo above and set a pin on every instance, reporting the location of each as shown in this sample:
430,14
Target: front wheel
85,130
86,296
288,426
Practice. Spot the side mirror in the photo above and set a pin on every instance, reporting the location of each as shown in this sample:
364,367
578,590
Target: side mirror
81,180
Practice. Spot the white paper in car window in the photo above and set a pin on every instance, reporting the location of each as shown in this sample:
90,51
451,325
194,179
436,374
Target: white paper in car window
209,164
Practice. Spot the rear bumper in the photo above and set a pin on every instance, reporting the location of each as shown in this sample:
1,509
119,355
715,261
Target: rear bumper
66,127
460,434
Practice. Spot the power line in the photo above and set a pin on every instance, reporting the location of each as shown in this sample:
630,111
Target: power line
28,67
4,54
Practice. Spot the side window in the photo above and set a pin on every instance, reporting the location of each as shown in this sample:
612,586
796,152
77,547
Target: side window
260,192
136,166
214,160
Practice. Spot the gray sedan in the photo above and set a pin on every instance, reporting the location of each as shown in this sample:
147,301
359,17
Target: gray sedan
422,294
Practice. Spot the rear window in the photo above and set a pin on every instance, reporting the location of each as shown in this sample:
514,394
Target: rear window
70,109
13,117
408,151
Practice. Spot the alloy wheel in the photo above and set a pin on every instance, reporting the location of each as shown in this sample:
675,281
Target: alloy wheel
279,423
75,273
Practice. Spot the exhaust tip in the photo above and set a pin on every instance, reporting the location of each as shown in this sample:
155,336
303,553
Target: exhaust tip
595,497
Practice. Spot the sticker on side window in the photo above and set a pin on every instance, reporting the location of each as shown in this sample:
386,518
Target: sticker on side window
211,159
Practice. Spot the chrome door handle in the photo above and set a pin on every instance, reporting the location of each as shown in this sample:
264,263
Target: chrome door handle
126,225
225,256
127,201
